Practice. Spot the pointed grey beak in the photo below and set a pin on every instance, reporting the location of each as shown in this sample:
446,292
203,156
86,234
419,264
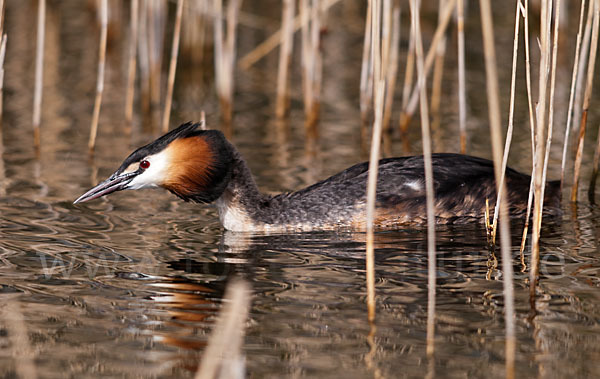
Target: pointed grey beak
112,184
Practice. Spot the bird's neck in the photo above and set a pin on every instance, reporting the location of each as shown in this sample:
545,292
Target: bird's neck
241,198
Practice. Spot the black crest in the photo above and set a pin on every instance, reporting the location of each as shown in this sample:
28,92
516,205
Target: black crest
189,129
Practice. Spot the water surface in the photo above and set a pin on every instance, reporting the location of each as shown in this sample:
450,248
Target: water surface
130,285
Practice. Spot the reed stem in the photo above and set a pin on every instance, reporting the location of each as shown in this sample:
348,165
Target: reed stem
285,56
511,113
39,73
133,38
462,92
100,81
172,67
495,132
379,83
572,94
426,137
429,60
586,100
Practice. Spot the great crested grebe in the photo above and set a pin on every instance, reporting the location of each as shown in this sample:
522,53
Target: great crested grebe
202,166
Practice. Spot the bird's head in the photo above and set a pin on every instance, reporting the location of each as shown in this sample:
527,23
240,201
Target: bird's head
193,164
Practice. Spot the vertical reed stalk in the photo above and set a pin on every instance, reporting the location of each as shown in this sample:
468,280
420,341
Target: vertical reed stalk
585,48
156,28
545,16
144,57
285,55
311,59
495,131
431,254
551,105
438,74
100,82
375,13
2,56
525,13
172,67
408,79
133,38
586,100
592,187
572,94
39,72
511,113
366,72
462,92
3,39
429,60
223,356
225,55
392,63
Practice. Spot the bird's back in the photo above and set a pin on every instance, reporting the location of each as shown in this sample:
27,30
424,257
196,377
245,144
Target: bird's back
461,183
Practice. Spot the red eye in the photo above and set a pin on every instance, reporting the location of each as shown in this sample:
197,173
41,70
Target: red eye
144,164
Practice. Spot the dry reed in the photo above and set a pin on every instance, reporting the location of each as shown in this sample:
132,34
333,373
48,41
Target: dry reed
525,13
551,105
438,36
223,357
100,81
3,39
391,58
366,72
462,92
172,67
156,30
311,59
225,54
438,73
545,15
39,72
133,37
572,93
431,253
495,132
586,100
511,113
2,56
19,338
285,56
379,88
274,40
585,48
408,82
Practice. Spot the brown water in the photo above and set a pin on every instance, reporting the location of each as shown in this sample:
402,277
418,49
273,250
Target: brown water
130,285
